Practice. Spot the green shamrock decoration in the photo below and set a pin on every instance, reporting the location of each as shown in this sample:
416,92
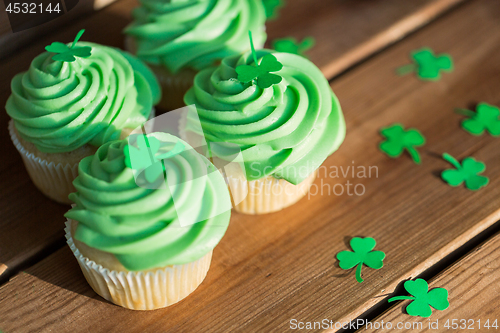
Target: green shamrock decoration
468,172
291,45
145,156
399,139
427,65
68,53
362,254
423,299
261,73
486,118
271,7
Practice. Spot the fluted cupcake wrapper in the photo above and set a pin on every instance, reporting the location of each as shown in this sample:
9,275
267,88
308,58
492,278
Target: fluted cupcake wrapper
260,196
55,180
265,195
142,290
173,86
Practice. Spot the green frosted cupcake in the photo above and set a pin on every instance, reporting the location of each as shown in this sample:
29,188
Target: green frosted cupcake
69,102
179,38
282,115
139,244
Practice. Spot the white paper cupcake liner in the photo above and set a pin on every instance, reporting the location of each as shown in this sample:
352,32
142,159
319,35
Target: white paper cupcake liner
53,180
142,290
173,86
260,196
265,195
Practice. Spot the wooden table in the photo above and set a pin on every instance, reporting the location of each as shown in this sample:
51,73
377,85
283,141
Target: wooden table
271,269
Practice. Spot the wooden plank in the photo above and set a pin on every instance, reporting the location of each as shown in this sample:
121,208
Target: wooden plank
273,268
339,27
472,284
347,32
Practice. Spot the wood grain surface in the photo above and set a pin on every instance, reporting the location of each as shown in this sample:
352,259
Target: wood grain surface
273,268
31,223
474,295
346,32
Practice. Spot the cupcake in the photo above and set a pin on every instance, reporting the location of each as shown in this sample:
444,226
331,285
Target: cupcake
281,118
72,100
139,244
179,38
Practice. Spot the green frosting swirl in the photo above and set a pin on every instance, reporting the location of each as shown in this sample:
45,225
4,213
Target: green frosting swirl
140,226
195,33
61,106
286,130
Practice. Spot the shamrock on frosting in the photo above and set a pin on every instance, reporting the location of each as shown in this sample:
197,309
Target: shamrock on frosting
486,118
291,45
427,65
399,139
260,72
271,7
362,254
467,172
68,53
423,299
146,157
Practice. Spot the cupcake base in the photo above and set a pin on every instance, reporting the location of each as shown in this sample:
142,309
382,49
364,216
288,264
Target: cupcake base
266,195
262,196
142,290
52,174
173,86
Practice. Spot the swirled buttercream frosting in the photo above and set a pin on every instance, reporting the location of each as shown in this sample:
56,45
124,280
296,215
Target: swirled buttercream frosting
286,130
194,34
141,226
60,106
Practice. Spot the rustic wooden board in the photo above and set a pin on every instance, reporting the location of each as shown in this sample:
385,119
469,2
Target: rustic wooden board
273,268
32,223
346,32
472,284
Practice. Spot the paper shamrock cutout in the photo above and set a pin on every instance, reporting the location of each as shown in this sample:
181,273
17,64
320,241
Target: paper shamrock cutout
427,65
399,139
423,299
145,156
291,45
260,72
271,7
486,118
362,254
68,53
468,172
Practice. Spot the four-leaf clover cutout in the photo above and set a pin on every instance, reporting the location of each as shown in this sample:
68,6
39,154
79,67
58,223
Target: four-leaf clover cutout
290,45
260,72
68,53
399,139
423,299
363,255
427,65
486,118
467,172
145,156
